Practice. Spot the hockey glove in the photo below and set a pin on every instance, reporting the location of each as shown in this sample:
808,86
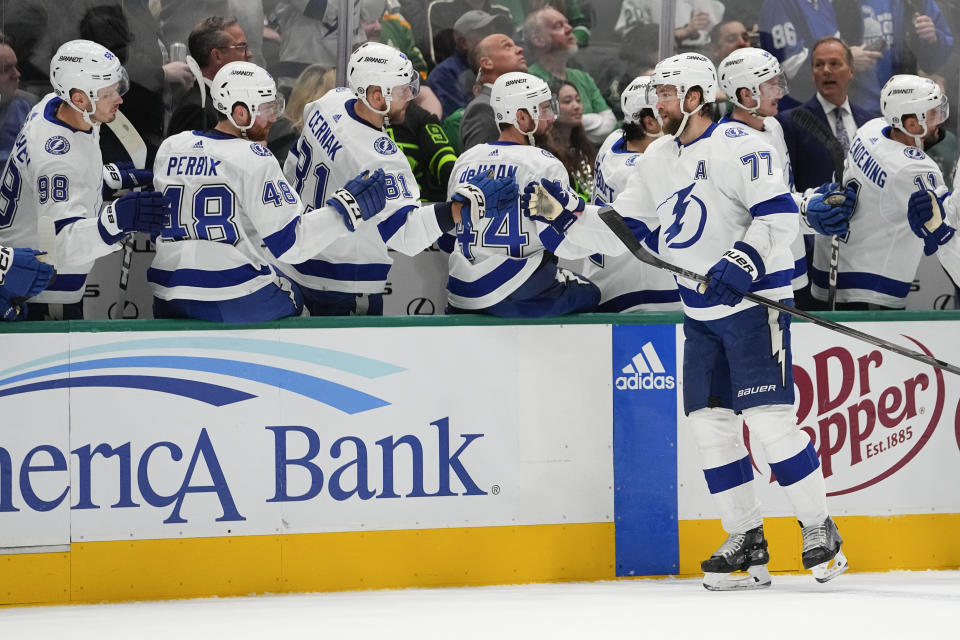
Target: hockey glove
925,215
487,196
828,213
144,211
361,198
123,175
21,274
550,202
732,276
9,311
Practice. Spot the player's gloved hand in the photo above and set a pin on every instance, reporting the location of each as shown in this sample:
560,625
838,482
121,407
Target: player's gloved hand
10,311
361,198
144,211
828,213
925,212
731,277
123,175
549,201
21,274
487,196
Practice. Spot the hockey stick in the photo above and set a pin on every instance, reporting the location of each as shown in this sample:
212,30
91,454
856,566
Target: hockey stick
615,222
821,131
136,148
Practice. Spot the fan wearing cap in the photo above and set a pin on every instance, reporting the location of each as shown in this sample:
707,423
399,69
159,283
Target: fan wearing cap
55,171
452,79
234,214
344,134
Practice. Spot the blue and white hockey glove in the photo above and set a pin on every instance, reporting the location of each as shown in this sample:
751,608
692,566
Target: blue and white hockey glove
10,311
361,198
732,276
486,196
123,175
925,215
549,201
144,211
21,274
828,211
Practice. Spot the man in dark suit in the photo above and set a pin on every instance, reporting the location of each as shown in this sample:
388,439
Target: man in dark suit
832,66
212,43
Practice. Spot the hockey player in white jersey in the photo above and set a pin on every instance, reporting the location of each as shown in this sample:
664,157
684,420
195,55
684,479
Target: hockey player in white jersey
55,170
233,212
504,265
344,134
885,164
22,276
720,206
625,283
752,80
934,216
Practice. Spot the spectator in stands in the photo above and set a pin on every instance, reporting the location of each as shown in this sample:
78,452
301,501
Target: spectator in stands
550,37
442,16
493,56
726,37
397,32
832,68
14,103
907,36
452,79
179,17
693,20
214,42
568,141
313,83
423,141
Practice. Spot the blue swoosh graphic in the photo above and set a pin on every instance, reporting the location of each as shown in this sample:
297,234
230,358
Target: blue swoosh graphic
336,395
340,360
212,394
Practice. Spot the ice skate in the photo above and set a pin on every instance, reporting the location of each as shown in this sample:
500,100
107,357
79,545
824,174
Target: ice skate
821,551
741,552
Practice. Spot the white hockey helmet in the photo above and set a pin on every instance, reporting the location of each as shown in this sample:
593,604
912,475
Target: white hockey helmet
755,70
908,95
684,72
380,65
249,85
518,90
635,98
89,67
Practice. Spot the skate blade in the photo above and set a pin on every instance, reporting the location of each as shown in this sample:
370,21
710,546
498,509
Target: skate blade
757,577
830,569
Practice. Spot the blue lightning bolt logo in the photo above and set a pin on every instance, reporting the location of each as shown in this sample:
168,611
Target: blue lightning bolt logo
679,211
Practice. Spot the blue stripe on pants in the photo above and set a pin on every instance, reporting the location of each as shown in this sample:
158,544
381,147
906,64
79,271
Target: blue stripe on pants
797,467
729,475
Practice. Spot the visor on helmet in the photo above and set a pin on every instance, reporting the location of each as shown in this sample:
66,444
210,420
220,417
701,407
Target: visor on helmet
407,91
272,109
939,114
774,88
118,88
549,109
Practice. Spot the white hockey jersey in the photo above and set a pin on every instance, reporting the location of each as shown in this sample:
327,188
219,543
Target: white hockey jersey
626,284
490,261
233,214
335,146
773,134
56,171
722,188
879,258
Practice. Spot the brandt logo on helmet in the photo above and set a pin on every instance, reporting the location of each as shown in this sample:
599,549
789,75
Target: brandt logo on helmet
241,72
645,371
372,59
515,81
384,146
69,59
900,91
57,145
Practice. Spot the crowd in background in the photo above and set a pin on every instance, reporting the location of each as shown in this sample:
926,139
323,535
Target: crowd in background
588,51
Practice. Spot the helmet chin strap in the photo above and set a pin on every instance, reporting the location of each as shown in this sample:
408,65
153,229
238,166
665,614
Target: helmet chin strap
529,134
385,112
686,117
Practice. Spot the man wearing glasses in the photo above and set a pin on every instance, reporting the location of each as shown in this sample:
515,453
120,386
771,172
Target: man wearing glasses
213,43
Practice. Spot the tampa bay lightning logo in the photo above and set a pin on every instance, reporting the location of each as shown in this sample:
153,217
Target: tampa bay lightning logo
913,153
689,218
546,153
260,150
632,161
384,146
57,145
735,132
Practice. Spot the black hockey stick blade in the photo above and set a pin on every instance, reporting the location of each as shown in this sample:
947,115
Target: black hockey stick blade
616,224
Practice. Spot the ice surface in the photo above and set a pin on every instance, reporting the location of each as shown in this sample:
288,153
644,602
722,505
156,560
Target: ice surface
855,606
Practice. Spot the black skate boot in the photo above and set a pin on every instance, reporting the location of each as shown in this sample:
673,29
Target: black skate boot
821,550
741,552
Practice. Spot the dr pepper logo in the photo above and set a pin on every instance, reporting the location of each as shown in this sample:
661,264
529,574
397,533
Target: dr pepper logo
868,414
